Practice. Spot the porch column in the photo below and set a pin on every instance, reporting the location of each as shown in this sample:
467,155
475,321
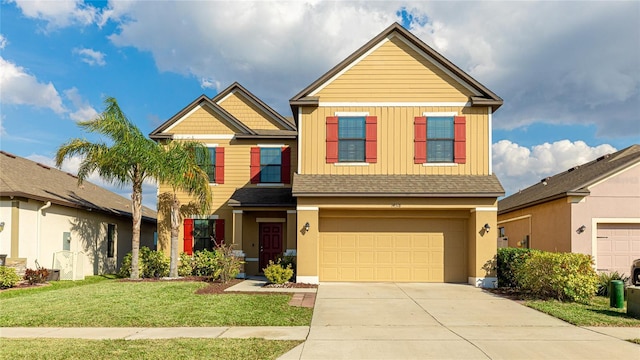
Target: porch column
307,245
292,233
237,240
483,246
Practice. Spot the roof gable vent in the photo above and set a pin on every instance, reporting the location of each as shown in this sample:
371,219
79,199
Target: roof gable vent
573,168
603,157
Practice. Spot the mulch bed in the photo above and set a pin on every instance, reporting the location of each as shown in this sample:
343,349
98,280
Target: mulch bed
510,293
217,287
291,285
24,285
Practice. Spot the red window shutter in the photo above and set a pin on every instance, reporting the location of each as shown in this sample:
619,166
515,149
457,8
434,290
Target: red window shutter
420,139
332,139
188,236
285,168
460,140
219,232
255,165
371,136
219,165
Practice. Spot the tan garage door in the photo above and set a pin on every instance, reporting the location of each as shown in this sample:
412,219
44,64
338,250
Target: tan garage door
399,249
618,245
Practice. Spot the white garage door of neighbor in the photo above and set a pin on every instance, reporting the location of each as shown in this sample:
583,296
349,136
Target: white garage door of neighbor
618,245
402,250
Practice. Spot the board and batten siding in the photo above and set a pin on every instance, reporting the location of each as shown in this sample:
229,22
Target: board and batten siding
395,146
394,72
250,115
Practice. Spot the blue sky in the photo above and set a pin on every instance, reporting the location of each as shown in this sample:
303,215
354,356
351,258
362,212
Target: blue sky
567,71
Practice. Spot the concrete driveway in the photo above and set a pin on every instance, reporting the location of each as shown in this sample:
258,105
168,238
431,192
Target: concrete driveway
442,321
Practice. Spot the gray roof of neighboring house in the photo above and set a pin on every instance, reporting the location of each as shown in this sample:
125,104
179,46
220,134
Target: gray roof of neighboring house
262,197
23,178
574,181
397,185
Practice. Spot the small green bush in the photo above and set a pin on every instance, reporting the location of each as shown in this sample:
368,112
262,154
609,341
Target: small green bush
510,261
563,276
37,276
8,277
154,263
289,260
184,267
605,278
228,263
276,274
205,263
219,264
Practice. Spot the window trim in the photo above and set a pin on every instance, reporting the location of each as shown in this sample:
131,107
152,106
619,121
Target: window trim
363,139
267,165
453,114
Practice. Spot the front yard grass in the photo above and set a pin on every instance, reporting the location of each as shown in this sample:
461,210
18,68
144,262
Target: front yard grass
147,304
144,349
596,313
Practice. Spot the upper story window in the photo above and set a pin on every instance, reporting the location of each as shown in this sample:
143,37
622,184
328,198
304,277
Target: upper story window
440,139
352,139
270,165
215,167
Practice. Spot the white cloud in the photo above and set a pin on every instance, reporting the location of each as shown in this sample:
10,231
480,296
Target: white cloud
90,56
19,87
84,111
210,84
59,13
519,167
3,42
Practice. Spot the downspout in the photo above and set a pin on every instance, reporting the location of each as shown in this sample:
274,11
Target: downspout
38,224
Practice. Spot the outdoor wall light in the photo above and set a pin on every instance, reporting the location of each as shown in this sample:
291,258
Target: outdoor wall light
486,227
1,226
581,229
307,226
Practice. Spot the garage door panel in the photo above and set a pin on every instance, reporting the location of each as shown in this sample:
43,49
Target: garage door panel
396,254
617,246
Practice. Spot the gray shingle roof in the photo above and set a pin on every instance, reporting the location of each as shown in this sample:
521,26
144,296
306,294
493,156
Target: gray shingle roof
20,177
262,197
574,181
397,185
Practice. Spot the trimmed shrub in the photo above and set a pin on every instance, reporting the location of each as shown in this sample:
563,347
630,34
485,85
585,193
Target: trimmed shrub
563,276
8,277
204,263
37,276
289,260
154,263
605,278
276,274
184,267
510,261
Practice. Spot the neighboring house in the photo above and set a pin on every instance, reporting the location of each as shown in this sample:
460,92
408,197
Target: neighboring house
43,211
390,157
592,209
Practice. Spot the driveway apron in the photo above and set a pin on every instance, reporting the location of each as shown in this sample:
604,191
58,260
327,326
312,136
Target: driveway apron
442,321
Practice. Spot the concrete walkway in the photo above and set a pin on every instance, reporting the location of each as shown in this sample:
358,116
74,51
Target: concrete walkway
442,321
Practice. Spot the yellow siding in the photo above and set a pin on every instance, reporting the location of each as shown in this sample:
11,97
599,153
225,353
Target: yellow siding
244,110
394,72
236,175
203,121
395,142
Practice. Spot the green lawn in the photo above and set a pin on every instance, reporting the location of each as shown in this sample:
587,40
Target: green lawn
146,304
144,349
55,285
596,313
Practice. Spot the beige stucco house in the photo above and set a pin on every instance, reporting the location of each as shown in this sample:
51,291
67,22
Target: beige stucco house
384,173
593,208
43,213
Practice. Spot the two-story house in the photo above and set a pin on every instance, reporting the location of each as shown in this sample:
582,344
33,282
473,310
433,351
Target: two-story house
390,157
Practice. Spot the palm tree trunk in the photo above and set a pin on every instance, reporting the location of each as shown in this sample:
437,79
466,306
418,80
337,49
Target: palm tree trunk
136,201
175,226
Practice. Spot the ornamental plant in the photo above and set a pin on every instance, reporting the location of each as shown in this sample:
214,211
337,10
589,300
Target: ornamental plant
276,274
8,277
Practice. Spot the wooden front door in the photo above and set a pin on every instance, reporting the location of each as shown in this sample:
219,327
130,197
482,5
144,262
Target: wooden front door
270,243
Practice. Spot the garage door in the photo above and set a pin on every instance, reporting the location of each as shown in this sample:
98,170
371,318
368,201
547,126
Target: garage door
618,245
399,249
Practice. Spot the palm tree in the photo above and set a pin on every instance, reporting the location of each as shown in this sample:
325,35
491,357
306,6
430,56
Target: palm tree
181,168
130,158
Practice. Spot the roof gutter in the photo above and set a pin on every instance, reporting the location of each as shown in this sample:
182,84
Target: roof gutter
405,195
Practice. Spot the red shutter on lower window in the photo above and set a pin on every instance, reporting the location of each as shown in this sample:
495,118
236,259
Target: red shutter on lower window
420,139
219,232
188,236
255,165
460,139
285,168
332,139
219,165
371,136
